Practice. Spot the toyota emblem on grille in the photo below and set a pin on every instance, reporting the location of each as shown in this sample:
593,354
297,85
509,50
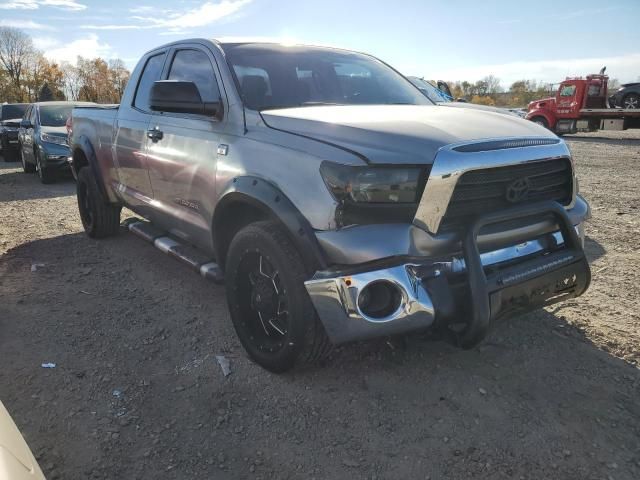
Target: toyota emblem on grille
518,190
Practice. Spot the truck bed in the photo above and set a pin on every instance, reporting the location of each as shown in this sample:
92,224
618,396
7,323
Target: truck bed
610,112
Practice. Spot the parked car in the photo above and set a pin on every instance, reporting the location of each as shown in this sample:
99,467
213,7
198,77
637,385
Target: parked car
335,201
10,116
440,97
627,96
432,92
43,141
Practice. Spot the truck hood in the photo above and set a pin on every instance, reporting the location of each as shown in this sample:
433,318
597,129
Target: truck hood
486,108
11,122
398,134
540,103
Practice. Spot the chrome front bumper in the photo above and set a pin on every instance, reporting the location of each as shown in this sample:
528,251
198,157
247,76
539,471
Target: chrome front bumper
335,297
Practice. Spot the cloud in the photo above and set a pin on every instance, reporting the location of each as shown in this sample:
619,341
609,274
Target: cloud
623,67
564,15
44,43
88,47
35,4
142,9
25,24
175,21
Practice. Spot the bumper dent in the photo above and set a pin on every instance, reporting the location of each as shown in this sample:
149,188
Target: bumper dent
335,296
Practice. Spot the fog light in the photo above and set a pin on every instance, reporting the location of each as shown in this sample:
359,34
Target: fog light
379,299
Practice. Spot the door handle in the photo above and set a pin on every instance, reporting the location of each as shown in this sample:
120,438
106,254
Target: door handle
155,134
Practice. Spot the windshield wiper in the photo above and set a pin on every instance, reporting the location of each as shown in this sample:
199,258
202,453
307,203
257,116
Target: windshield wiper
298,105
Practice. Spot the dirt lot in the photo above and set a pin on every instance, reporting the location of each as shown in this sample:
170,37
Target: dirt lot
137,392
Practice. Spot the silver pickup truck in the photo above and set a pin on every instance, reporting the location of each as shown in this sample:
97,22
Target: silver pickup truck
335,201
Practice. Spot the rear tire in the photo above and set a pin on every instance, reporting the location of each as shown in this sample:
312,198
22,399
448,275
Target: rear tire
631,101
99,217
269,305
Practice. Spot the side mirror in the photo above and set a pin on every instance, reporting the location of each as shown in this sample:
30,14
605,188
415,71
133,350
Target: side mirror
25,123
181,97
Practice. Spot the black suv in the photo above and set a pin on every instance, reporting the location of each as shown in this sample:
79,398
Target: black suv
10,116
627,97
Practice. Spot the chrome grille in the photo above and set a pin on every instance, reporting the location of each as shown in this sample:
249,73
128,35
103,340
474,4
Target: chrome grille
483,190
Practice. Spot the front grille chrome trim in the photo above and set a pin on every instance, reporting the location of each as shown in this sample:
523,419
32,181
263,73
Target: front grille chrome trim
450,164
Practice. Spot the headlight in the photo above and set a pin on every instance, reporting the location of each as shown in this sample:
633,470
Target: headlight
53,139
372,184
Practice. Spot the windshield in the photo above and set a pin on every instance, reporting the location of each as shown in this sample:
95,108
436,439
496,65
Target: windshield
431,92
55,115
277,76
10,112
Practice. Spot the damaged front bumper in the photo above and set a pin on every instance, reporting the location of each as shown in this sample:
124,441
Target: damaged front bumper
459,294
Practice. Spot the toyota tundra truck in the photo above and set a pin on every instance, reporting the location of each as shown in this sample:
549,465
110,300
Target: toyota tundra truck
334,200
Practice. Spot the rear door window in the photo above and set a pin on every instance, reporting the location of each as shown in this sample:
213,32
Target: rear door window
151,73
195,66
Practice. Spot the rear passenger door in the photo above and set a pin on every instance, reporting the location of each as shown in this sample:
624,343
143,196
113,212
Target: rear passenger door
130,142
182,164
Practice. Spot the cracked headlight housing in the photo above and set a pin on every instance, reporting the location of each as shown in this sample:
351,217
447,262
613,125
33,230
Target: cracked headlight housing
374,194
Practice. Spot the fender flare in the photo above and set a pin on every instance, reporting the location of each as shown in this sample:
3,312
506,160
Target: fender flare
268,198
84,145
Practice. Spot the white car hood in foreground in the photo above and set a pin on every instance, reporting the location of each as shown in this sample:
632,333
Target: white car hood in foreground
16,460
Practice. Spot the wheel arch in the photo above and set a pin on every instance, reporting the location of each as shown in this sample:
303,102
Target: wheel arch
249,199
551,122
82,155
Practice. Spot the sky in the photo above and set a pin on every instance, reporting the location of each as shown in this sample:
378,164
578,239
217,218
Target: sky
545,40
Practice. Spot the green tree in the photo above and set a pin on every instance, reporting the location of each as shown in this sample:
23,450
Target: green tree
45,94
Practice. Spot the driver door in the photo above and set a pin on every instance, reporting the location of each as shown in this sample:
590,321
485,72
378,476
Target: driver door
182,155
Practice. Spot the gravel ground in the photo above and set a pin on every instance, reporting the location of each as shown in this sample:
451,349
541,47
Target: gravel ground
137,393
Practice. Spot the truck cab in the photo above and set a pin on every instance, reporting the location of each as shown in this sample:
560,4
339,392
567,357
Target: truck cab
580,105
574,94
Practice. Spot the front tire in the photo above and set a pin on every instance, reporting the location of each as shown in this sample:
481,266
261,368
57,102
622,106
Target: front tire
26,166
631,101
540,121
269,305
46,175
99,217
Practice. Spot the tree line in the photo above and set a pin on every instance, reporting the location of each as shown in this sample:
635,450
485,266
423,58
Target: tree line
26,75
488,91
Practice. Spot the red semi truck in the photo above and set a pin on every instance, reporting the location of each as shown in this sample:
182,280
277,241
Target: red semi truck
580,105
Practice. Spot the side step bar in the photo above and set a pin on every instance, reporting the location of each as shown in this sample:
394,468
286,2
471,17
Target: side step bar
195,259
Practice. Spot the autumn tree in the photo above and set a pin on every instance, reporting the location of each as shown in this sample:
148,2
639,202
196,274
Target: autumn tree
16,47
71,80
25,70
100,81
